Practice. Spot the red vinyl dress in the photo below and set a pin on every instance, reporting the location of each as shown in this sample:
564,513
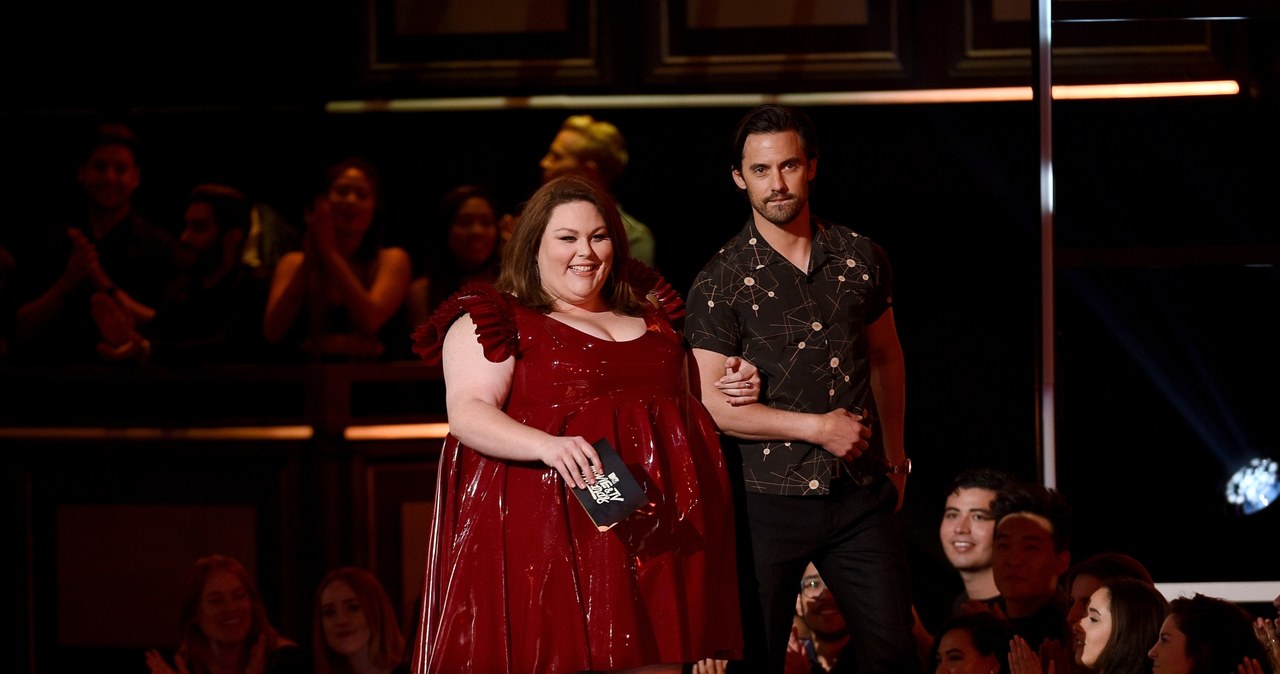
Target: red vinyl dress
518,579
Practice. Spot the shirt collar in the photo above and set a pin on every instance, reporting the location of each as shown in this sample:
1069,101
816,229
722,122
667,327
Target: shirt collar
824,244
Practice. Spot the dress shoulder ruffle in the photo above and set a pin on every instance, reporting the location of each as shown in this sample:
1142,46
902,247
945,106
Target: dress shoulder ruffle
647,281
492,314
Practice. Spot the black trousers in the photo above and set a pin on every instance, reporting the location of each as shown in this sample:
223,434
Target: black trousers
853,538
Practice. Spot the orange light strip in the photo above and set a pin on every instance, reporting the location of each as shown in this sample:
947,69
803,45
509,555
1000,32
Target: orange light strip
1147,90
396,432
224,433
972,95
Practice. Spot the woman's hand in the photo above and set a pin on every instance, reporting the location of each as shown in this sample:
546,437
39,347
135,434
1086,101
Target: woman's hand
1249,666
574,458
257,656
740,383
1023,659
156,663
1267,631
320,237
1058,658
83,262
710,666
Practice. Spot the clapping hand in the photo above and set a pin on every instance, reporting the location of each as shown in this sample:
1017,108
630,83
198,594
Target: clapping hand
83,261
156,663
1057,657
1024,660
1267,631
320,237
120,340
1249,666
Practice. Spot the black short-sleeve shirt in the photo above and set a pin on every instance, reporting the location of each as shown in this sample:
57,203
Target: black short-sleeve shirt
805,331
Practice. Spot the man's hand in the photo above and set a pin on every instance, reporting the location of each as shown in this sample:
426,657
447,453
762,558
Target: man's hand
842,433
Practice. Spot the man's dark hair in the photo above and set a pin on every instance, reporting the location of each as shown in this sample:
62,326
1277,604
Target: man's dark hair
1105,566
230,207
1026,497
772,118
989,632
980,478
112,133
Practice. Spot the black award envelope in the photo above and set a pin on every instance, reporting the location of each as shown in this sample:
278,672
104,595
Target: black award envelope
615,494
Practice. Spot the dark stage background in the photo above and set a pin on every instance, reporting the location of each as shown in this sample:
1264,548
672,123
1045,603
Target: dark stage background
1166,292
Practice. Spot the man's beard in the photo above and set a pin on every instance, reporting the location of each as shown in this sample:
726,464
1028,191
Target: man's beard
200,263
779,213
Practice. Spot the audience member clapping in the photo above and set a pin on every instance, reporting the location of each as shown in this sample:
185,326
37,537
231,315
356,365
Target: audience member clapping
331,300
224,626
1208,635
107,257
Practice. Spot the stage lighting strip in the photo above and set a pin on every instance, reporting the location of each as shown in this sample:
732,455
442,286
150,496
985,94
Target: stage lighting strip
432,431
974,95
289,433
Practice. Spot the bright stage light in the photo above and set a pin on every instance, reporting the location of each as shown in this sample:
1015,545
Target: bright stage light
1254,486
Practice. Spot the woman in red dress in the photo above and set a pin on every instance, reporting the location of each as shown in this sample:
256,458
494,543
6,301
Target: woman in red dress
566,350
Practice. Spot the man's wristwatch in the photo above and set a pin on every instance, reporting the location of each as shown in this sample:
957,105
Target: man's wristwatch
903,468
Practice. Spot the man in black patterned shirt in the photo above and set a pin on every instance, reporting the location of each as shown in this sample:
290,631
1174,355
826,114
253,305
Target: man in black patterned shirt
810,304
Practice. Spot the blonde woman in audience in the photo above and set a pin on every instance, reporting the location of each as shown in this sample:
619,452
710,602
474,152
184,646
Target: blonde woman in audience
354,630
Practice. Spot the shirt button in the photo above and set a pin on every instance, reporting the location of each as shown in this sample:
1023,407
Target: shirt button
813,484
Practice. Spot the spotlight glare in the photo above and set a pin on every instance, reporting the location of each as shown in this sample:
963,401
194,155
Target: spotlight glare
1254,486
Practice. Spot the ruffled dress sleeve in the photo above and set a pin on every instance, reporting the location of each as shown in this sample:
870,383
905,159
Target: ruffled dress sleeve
490,311
647,281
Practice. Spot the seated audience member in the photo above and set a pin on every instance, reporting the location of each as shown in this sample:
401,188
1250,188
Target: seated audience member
595,149
463,246
106,250
354,630
1086,576
820,633
333,299
212,311
224,626
973,643
967,533
1208,635
1121,623
1032,551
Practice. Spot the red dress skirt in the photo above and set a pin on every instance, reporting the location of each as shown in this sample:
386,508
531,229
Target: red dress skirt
519,580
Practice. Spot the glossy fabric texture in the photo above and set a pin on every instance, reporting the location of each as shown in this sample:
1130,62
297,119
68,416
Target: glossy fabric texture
519,579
